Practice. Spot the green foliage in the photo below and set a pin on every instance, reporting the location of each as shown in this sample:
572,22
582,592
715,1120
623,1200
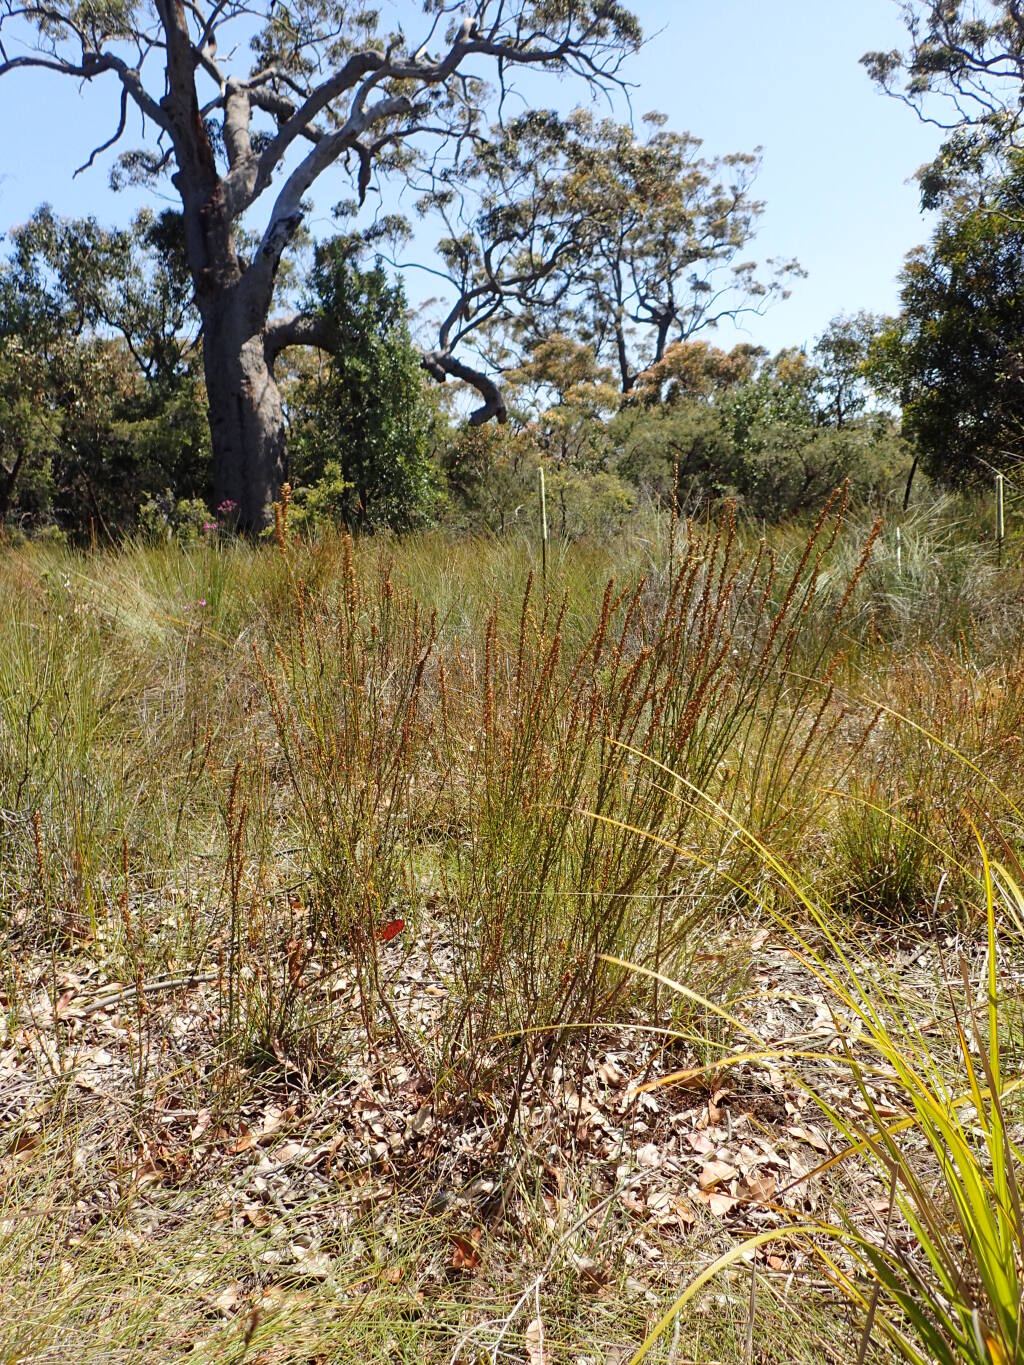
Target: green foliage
954,357
661,250
882,861
491,477
962,71
942,1285
362,420
101,396
493,481
182,520
626,242
841,356
764,431
150,814
562,397
581,503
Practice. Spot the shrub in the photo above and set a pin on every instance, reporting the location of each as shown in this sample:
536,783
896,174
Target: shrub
362,419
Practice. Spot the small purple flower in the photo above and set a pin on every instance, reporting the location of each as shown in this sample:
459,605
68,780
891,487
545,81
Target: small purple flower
227,508
202,601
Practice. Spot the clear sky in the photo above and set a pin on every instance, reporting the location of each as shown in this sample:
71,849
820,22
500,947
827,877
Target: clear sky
783,74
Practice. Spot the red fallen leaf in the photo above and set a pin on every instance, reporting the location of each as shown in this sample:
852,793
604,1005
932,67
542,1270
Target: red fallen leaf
391,930
466,1251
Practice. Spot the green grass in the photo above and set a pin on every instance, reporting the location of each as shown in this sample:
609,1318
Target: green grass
227,771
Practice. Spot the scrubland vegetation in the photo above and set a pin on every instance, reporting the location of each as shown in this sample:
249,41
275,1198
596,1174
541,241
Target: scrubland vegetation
425,940
405,956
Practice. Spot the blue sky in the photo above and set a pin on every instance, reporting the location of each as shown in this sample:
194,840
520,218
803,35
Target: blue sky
838,157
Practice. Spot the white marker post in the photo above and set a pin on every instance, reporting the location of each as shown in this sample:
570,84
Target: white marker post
899,554
543,528
1000,519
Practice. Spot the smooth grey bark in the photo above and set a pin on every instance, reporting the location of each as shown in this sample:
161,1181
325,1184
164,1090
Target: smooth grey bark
247,427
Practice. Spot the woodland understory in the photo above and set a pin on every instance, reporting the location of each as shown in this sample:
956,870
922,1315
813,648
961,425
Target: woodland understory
407,955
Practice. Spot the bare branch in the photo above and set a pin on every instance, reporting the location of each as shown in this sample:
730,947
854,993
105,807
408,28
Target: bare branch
301,329
110,142
297,329
439,365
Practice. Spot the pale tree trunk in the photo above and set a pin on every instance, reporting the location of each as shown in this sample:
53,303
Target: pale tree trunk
247,427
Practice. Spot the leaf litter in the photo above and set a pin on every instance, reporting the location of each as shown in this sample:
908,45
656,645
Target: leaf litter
296,1164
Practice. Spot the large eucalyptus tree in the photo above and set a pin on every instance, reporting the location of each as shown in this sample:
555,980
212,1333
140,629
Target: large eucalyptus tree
628,241
250,101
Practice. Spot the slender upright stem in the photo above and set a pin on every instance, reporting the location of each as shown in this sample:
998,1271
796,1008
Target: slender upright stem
543,528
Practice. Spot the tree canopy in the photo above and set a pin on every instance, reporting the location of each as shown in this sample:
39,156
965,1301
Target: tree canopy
963,71
954,356
361,422
630,241
584,264
101,398
244,107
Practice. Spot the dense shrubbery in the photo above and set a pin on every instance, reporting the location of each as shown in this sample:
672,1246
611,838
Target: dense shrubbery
101,392
775,434
952,357
764,441
363,422
103,425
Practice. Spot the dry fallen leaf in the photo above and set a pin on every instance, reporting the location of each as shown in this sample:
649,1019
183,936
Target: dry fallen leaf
757,1187
716,1105
632,1202
534,1339
811,1136
229,1298
243,1142
23,1141
716,1173
648,1156
289,1151
308,1263
466,1251
610,1074
721,1204
684,1211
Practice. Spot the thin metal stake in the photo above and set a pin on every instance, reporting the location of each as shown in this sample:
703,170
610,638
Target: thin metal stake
543,528
1000,519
